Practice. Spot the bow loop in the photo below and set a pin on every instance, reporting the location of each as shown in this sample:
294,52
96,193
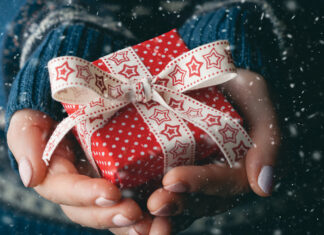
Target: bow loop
74,81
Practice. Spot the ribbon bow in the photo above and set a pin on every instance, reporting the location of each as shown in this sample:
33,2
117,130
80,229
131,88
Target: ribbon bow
78,82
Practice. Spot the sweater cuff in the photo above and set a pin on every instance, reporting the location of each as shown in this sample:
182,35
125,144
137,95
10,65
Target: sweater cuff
250,33
31,87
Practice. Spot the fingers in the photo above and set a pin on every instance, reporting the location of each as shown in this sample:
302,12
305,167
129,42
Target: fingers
63,185
249,92
160,226
82,197
79,190
123,214
142,227
27,136
165,203
217,180
192,205
260,160
212,179
120,231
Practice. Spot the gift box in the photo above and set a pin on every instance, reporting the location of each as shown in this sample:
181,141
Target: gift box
143,110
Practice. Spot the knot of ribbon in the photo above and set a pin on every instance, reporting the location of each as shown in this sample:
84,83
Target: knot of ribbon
141,90
159,99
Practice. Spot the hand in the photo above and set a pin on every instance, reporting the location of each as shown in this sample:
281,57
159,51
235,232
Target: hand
205,190
92,202
231,182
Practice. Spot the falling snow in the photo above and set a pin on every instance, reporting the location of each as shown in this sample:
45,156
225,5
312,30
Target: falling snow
297,91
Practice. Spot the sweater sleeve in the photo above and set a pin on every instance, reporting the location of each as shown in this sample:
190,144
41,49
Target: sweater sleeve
31,87
248,29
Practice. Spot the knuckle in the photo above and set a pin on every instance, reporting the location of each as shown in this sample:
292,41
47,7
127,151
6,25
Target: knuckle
131,209
100,184
179,173
101,219
105,189
108,190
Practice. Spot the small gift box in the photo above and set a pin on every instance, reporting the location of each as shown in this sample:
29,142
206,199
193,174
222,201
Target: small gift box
143,110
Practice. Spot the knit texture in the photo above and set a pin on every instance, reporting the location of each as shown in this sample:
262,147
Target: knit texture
37,18
242,26
31,87
253,44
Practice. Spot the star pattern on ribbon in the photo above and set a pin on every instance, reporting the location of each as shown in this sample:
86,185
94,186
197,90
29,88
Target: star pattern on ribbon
100,102
119,57
240,150
193,113
171,131
129,71
150,104
179,149
194,67
213,59
163,87
99,117
229,56
162,81
115,91
63,72
177,76
100,83
212,120
228,133
176,104
160,116
78,113
84,73
181,161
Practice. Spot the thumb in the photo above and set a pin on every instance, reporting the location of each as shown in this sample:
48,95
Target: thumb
260,159
249,91
27,137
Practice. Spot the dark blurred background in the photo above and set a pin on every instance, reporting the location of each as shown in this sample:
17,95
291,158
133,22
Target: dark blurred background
297,204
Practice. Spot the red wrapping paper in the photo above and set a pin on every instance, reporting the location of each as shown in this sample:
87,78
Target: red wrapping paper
125,150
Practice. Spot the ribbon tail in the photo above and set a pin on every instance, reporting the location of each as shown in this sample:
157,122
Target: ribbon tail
68,123
230,155
227,133
61,130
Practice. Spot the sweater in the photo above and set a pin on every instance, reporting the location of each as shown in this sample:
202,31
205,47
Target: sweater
249,27
254,47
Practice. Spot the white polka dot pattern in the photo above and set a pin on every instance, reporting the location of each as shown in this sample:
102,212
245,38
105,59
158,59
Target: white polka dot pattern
140,141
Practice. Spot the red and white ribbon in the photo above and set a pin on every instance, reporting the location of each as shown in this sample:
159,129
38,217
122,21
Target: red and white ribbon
159,99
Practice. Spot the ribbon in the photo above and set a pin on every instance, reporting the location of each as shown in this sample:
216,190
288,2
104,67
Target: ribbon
159,99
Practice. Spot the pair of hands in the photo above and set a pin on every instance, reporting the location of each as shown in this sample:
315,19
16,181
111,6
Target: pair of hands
187,190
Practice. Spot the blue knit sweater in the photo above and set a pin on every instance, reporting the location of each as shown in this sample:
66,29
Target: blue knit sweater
254,46
246,26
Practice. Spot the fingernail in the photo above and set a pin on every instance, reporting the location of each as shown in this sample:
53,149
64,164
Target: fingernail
132,231
122,221
265,179
177,188
25,172
166,210
103,202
